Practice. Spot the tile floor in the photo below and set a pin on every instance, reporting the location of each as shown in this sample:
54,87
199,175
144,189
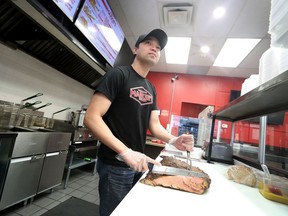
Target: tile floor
82,184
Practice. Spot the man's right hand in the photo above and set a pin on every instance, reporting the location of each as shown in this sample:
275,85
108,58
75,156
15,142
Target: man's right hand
136,160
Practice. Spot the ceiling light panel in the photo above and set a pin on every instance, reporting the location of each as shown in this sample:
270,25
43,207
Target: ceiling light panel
177,50
234,51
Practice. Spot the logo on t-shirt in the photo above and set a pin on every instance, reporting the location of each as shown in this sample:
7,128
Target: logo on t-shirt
141,95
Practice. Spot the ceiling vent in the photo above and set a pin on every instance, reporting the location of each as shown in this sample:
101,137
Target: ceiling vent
177,15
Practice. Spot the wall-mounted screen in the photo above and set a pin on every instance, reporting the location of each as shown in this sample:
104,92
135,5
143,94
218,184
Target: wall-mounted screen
97,22
69,7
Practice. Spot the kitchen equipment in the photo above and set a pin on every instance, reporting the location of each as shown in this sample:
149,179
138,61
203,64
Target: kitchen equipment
274,188
45,105
221,152
31,97
22,117
13,114
36,118
78,117
54,163
82,134
36,163
83,143
165,170
6,147
25,168
24,114
50,121
30,105
8,113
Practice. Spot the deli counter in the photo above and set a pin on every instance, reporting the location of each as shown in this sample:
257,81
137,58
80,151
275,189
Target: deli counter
224,197
255,139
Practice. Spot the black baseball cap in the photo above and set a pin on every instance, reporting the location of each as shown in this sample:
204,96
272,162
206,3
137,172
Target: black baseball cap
159,34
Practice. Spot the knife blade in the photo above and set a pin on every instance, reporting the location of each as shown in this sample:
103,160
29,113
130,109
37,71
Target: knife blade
165,170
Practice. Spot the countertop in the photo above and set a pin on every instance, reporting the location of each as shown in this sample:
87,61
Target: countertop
150,140
224,197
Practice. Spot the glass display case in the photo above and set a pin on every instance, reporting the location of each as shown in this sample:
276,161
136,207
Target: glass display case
184,125
256,126
205,124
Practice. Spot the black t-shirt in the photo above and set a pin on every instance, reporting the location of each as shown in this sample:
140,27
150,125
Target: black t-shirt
133,98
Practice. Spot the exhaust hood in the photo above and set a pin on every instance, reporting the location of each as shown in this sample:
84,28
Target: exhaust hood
24,27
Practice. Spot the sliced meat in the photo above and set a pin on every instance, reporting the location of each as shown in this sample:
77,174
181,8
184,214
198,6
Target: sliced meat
173,162
185,183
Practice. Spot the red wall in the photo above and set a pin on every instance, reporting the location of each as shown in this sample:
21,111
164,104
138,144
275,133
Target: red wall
207,90
196,89
276,135
191,109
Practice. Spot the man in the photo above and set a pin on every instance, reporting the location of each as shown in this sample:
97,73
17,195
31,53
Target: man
119,114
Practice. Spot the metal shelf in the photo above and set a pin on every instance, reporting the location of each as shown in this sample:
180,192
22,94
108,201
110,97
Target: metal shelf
74,162
86,148
269,97
81,162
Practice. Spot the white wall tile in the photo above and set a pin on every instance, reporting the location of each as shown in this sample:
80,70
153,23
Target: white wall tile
22,76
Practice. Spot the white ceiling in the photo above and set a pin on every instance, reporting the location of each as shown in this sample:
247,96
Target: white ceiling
243,19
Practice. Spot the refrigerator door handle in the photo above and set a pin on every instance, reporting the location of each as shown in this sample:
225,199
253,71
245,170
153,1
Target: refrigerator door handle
52,154
19,160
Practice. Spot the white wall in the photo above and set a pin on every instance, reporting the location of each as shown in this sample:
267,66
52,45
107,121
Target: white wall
22,76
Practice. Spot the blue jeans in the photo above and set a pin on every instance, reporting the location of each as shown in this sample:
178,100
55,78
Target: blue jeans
114,183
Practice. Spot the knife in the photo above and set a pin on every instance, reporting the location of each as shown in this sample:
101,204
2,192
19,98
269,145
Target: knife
165,170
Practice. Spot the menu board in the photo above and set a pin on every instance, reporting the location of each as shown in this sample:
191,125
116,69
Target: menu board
97,22
69,7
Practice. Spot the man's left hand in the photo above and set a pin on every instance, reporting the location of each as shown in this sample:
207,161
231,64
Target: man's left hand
185,142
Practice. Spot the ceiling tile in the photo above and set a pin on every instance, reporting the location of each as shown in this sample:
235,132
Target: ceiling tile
252,59
199,70
244,18
253,21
